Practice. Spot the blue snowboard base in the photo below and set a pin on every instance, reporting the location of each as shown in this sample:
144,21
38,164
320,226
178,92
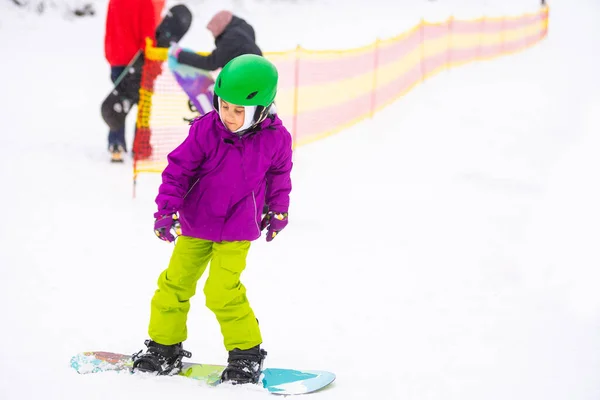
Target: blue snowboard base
274,380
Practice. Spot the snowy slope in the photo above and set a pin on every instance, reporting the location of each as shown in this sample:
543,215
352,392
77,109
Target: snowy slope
446,249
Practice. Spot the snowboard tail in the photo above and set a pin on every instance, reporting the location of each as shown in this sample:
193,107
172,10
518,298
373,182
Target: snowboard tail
273,380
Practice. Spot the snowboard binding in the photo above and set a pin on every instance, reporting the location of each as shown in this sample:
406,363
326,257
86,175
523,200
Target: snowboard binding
160,359
245,366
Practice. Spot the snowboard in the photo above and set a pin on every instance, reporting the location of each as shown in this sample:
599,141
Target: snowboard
273,380
198,84
125,93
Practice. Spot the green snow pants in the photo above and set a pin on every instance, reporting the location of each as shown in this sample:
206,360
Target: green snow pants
225,294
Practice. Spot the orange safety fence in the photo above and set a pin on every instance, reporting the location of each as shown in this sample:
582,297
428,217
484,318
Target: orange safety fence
323,92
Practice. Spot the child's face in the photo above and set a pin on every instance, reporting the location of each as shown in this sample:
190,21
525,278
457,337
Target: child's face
232,115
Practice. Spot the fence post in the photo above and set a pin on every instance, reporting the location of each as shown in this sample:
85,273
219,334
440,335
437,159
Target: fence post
546,21
449,43
296,84
134,182
374,83
503,35
481,34
422,29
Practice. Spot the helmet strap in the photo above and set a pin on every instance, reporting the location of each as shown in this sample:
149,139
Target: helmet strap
261,113
216,102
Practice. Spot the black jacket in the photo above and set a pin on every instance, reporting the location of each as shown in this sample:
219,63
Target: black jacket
237,39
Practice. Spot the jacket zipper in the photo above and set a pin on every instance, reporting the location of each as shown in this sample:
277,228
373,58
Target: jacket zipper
241,140
190,189
255,213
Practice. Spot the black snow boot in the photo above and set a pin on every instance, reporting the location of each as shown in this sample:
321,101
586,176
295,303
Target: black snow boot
164,360
245,366
116,152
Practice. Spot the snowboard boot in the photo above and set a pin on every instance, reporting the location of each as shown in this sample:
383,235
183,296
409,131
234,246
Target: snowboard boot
245,366
116,153
161,359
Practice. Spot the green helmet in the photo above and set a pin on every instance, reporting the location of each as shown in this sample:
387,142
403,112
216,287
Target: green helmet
248,80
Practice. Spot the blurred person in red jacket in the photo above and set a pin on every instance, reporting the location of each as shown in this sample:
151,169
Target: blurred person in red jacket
128,24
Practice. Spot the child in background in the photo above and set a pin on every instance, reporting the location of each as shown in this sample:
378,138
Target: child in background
234,159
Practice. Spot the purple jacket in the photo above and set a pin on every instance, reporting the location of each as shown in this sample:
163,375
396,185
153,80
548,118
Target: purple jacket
218,181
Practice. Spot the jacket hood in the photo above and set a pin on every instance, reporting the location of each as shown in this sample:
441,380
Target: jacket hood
219,22
238,27
271,122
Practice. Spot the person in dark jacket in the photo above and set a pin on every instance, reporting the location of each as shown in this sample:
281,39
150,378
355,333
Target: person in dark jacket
233,37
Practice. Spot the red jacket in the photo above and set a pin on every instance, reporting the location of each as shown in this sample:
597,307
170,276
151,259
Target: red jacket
128,23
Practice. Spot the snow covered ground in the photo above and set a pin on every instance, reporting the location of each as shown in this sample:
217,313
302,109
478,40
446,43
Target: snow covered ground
446,249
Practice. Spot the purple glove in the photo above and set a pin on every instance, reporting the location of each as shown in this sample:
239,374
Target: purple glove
174,50
164,224
275,222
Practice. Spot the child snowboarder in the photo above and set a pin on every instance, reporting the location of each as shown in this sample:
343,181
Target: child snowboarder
211,194
233,37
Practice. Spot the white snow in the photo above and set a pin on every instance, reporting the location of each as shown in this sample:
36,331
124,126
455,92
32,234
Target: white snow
446,249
